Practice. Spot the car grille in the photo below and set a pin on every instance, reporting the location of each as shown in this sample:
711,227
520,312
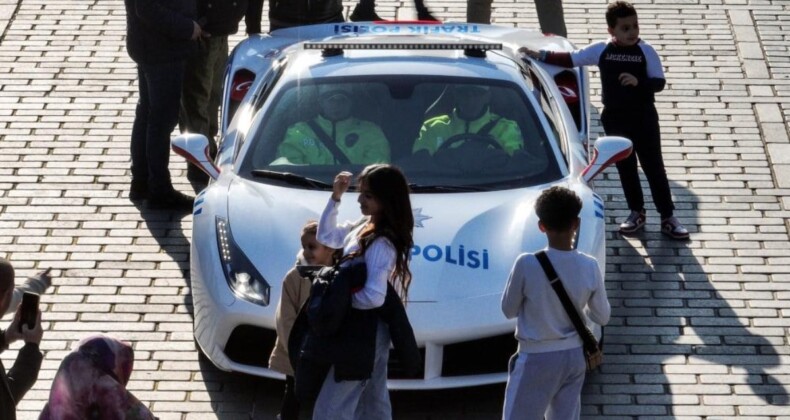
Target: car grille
249,345
477,357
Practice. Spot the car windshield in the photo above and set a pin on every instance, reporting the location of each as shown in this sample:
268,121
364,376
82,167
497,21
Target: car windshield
446,134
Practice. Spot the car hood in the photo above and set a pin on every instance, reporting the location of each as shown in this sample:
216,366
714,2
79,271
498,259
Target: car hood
464,243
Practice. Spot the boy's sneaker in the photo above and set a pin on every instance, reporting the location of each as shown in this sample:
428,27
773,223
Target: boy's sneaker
634,222
672,227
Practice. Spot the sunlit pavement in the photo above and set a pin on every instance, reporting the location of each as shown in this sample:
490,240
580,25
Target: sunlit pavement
700,329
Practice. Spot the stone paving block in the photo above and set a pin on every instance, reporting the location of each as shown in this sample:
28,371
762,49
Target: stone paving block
67,110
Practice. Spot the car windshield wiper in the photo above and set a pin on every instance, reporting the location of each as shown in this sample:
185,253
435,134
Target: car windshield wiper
445,188
290,178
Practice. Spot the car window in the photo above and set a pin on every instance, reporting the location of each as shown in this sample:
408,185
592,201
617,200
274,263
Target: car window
443,132
545,106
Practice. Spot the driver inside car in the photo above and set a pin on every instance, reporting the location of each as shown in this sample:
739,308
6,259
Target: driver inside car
334,136
471,118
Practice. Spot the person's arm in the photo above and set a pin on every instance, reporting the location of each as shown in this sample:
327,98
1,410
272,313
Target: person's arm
513,295
380,260
557,58
587,56
598,308
430,132
509,136
162,19
252,18
289,306
292,147
377,148
655,81
37,284
330,233
24,373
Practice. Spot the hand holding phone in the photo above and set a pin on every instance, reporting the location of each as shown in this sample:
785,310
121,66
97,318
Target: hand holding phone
29,311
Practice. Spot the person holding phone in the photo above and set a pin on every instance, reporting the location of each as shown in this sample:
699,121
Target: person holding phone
24,373
37,284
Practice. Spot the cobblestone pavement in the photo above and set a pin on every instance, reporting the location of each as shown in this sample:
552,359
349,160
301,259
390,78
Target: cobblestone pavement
700,330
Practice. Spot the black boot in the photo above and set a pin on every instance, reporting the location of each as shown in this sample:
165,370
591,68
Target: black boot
426,15
138,190
364,12
171,200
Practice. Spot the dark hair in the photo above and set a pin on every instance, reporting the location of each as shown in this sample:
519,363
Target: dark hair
617,10
6,275
389,186
557,208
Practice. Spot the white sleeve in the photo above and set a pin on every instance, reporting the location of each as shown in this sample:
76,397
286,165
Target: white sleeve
654,68
33,284
329,232
598,306
589,55
380,261
513,295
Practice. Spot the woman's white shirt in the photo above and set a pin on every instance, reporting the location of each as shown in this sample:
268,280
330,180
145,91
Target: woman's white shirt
379,257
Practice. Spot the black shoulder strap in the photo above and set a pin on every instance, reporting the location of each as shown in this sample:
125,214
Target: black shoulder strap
589,339
328,142
484,130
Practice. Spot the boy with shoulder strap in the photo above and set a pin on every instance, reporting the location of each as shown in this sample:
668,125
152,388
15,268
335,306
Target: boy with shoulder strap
547,374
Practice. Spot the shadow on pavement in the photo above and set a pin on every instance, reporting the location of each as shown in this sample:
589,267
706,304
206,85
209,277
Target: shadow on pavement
671,318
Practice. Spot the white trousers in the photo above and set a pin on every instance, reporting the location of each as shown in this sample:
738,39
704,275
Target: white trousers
545,384
358,400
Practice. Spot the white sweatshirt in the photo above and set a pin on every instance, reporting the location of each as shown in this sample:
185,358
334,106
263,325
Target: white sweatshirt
379,257
543,325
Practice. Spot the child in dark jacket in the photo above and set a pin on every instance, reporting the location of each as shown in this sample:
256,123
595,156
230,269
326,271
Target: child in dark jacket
631,75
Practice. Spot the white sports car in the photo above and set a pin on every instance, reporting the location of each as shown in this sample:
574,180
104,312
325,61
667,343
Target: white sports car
474,177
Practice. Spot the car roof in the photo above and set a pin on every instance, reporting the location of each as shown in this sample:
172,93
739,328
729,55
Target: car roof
435,49
445,63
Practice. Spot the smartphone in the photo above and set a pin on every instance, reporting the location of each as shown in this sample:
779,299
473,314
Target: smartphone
29,310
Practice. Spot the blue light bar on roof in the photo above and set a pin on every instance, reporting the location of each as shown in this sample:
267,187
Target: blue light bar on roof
477,46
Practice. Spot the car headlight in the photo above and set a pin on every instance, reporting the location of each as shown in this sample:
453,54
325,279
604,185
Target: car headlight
245,281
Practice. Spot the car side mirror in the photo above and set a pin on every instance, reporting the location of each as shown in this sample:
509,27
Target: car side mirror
607,150
194,148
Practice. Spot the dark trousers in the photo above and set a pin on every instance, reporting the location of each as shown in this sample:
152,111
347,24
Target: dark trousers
202,91
155,118
290,405
642,128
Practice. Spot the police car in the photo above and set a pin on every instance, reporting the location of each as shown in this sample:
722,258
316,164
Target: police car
475,172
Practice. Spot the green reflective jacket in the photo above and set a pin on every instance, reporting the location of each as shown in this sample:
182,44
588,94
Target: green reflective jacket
438,129
361,141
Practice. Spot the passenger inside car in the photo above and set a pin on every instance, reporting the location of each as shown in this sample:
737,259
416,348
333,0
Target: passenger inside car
334,135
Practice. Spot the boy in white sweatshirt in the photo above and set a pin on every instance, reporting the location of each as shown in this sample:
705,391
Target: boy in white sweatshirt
547,374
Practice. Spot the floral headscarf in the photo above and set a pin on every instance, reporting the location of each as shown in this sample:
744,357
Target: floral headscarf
91,384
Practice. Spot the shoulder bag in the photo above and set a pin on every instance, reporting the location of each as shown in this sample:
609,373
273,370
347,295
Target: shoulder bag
593,353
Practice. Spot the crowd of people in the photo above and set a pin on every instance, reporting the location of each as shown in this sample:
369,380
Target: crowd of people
344,375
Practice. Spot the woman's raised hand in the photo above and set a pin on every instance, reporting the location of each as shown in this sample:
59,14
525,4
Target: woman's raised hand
341,184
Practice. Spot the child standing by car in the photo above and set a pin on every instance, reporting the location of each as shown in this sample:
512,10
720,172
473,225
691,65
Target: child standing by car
631,74
547,374
296,290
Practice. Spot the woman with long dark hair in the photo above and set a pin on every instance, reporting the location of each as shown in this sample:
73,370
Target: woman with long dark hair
383,240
